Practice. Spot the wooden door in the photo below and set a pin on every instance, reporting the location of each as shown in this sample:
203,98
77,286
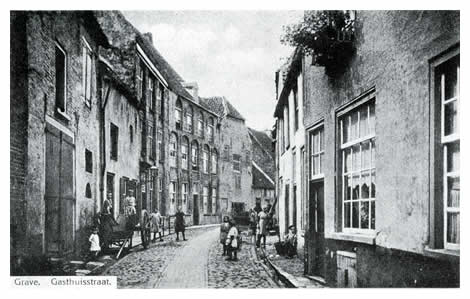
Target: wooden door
59,195
316,230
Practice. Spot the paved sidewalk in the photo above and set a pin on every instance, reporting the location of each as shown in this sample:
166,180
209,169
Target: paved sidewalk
189,268
290,269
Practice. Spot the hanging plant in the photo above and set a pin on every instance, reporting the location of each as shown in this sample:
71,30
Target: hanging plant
326,35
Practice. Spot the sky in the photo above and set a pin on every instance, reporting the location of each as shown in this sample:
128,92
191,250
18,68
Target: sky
228,53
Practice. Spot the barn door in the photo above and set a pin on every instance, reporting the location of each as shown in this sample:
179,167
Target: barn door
59,196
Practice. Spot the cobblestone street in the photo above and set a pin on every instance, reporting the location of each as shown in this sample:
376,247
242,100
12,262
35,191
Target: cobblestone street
196,263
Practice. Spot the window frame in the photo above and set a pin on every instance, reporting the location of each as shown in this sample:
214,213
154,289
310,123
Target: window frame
114,149
87,52
368,99
178,114
236,162
205,159
151,92
214,161
214,200
189,119
194,156
184,154
59,47
319,128
438,152
205,199
173,150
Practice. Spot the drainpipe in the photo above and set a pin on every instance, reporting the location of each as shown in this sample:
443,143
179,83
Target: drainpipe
102,107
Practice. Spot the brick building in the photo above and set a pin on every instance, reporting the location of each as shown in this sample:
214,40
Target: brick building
383,150
53,130
235,168
263,168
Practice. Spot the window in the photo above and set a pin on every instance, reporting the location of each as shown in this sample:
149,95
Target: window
205,199
88,191
172,193
317,151
194,155
184,153
214,162
200,125
205,159
131,133
446,154
357,152
189,119
286,132
143,136
160,99
88,161
150,140
210,129
151,92
114,133
178,114
238,181
60,79
173,148
160,144
296,109
236,163
86,71
184,192
140,79
214,200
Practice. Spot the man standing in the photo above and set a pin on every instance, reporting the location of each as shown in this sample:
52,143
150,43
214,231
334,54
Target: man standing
155,219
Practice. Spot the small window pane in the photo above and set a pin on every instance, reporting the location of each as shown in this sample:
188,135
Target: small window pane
354,126
347,188
450,118
355,186
356,158
355,215
453,157
453,189
372,186
347,158
453,228
347,214
372,119
345,130
363,124
365,156
372,215
365,188
451,81
365,214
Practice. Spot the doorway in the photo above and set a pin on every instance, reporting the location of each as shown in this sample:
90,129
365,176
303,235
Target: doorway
316,228
195,209
59,195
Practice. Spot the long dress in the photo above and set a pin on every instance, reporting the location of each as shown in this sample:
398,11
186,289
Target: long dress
179,222
233,232
263,221
106,228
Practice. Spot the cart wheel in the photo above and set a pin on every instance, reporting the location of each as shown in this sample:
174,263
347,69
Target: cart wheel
145,230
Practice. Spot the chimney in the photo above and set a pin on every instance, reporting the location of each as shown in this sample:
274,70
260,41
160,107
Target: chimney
193,89
149,36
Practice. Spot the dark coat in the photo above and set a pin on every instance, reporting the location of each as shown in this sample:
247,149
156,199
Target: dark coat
179,222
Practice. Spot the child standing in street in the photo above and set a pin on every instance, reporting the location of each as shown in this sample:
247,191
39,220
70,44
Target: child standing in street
232,242
94,243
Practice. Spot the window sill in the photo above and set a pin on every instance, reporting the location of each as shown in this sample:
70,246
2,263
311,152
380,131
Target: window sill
442,254
366,239
62,115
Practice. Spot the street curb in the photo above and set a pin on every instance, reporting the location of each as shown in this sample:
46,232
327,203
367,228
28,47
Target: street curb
287,279
272,274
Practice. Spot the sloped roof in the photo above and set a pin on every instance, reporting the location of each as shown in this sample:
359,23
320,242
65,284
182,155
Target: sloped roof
290,70
220,106
123,36
264,140
260,179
